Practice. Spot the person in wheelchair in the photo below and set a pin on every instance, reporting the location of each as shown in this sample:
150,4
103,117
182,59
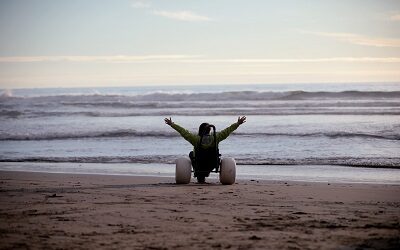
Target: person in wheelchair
205,156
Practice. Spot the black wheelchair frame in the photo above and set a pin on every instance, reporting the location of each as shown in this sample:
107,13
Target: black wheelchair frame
206,161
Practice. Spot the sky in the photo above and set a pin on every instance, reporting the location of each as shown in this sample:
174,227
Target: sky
93,43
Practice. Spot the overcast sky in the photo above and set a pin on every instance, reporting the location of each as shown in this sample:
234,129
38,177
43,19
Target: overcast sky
54,43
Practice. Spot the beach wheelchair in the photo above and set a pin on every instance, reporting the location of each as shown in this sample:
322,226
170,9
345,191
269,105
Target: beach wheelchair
204,161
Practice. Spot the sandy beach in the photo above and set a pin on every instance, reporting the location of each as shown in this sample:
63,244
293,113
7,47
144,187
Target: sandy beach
70,211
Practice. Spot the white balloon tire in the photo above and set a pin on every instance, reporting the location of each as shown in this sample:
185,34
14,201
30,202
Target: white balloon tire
183,170
227,173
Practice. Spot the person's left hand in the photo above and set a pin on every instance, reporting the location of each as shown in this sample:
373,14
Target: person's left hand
241,120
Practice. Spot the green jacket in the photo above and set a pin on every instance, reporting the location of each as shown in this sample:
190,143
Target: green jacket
194,139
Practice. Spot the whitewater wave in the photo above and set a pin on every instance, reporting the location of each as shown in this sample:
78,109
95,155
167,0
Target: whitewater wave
339,134
380,162
120,133
243,104
6,93
215,96
383,162
126,133
216,111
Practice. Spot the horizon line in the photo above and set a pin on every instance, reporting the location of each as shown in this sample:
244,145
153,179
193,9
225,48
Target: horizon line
181,58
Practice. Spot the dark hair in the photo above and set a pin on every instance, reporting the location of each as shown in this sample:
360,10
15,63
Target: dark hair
204,129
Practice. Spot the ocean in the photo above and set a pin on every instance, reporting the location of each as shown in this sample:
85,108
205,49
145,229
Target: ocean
293,131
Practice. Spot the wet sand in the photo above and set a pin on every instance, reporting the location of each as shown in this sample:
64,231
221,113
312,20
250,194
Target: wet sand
71,211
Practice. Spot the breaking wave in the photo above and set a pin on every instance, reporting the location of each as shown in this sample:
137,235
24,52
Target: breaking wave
198,104
212,96
122,133
206,111
380,162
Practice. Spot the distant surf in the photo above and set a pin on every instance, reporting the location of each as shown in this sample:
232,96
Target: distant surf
202,104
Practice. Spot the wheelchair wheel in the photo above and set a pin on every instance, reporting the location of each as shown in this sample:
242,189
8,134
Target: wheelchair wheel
227,174
183,170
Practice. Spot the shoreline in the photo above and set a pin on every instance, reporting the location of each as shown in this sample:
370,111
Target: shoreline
80,211
301,173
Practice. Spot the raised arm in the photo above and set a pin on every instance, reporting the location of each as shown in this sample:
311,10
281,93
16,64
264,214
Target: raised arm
191,138
226,132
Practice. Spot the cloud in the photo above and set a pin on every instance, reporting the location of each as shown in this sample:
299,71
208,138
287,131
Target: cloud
395,17
182,16
298,60
185,15
101,59
360,39
191,59
141,5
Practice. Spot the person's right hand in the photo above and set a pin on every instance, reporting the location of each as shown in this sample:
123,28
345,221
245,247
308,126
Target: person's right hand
241,120
168,121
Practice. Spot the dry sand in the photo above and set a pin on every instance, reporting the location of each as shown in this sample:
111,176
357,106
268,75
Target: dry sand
70,211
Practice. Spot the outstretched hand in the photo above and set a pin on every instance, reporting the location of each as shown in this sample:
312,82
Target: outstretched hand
168,121
241,120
